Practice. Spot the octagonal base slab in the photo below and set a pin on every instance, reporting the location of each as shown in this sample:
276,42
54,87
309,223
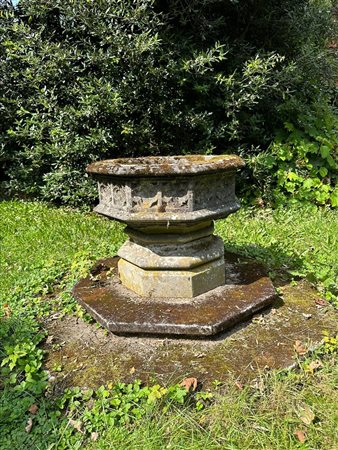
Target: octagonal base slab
91,357
121,311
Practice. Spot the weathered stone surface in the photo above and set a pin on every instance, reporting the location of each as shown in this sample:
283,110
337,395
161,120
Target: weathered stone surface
122,311
143,190
172,235
185,283
166,166
150,200
182,256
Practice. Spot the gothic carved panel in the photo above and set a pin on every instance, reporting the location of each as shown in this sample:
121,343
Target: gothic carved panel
114,195
160,196
214,192
105,193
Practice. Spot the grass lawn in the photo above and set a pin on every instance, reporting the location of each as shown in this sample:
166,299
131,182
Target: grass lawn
44,250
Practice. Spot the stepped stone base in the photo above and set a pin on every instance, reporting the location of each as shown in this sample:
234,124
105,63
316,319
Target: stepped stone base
247,290
158,265
185,283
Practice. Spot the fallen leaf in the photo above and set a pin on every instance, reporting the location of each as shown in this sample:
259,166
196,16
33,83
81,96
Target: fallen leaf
300,435
94,436
200,355
259,427
259,319
259,202
76,424
299,348
7,310
314,365
29,425
307,316
306,415
320,302
49,339
239,385
132,370
90,404
33,409
189,383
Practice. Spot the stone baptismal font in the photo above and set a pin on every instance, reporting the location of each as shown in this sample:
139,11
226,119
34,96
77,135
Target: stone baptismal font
172,276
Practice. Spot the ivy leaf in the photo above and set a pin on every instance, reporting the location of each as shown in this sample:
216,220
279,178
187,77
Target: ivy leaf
308,183
323,171
334,198
324,151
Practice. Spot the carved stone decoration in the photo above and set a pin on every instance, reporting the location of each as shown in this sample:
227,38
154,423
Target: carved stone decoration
169,204
167,189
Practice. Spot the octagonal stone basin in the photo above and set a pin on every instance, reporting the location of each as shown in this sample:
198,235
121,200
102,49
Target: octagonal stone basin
172,256
167,190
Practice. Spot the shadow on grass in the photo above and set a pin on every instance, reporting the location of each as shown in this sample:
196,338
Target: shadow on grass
277,263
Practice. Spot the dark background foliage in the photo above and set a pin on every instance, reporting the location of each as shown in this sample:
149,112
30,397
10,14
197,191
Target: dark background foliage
83,80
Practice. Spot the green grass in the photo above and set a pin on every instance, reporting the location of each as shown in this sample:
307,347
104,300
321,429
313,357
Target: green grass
263,416
43,250
300,242
35,238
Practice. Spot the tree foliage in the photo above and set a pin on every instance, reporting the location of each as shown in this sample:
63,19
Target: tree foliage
83,80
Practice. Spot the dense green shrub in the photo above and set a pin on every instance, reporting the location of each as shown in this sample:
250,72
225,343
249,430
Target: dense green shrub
301,164
89,79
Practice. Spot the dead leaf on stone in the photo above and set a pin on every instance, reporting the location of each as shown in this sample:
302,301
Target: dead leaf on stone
320,302
29,425
307,316
299,348
94,436
306,415
76,424
132,370
33,409
300,435
189,383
